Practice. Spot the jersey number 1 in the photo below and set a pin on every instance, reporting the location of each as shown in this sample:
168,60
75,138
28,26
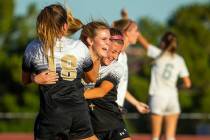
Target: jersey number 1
68,67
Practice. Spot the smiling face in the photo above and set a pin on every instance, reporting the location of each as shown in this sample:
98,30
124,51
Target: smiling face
113,53
101,42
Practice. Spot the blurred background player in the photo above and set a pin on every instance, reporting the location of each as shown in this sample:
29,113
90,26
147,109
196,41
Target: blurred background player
167,67
130,33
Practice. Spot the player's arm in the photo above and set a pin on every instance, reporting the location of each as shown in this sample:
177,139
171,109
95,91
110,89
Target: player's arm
184,74
26,66
100,91
152,51
143,41
91,65
140,106
186,82
45,78
26,77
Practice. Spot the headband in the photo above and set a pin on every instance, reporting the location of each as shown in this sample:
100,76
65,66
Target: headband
117,37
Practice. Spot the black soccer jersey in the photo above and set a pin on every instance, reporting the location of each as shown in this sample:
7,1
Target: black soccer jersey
71,59
105,113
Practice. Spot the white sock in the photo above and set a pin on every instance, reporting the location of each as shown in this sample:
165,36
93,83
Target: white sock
171,138
155,138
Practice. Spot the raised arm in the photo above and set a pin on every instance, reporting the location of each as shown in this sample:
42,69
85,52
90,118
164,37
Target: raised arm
143,41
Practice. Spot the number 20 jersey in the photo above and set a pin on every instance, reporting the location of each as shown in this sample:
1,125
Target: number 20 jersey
71,60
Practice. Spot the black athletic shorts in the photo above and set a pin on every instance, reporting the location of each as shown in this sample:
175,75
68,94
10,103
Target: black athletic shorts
71,125
115,134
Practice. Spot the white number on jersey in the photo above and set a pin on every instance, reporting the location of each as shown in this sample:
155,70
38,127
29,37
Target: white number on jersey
167,72
68,67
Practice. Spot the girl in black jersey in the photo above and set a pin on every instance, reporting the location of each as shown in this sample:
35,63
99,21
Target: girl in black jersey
110,125
63,111
96,36
106,117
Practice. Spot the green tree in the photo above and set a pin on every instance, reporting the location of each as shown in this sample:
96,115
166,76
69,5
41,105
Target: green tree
192,26
17,31
6,16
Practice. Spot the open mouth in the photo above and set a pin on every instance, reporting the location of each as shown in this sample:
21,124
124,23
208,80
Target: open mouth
110,59
105,49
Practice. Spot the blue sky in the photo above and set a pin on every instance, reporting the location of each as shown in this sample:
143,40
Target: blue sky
85,10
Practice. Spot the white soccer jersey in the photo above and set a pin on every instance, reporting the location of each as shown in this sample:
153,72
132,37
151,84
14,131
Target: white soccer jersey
165,72
122,88
71,60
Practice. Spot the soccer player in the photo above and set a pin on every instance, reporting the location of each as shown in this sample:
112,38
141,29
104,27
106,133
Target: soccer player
167,67
63,110
130,33
106,116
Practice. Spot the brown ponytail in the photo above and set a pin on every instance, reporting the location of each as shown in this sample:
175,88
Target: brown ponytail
50,23
74,24
169,42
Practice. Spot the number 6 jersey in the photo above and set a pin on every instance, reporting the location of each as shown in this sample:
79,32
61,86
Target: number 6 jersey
71,59
165,72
